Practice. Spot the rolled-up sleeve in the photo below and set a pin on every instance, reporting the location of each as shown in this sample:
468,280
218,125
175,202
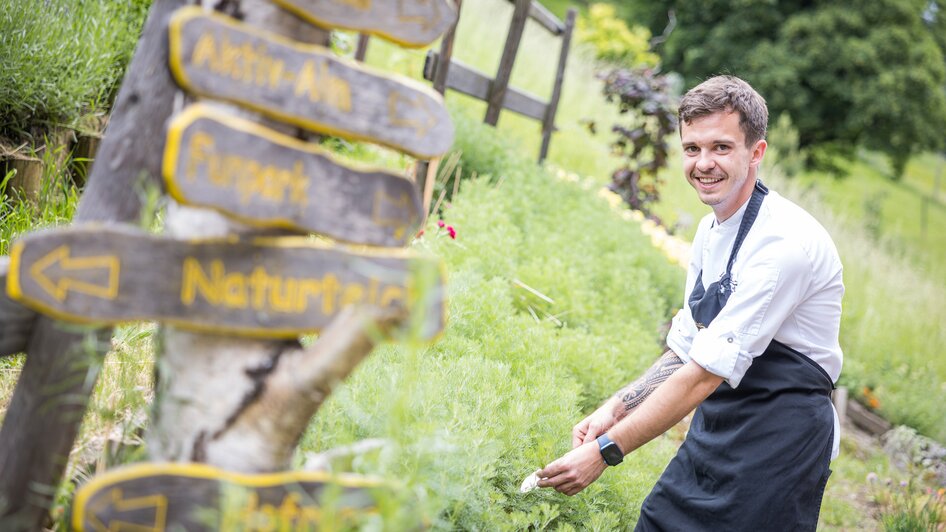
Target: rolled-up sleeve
768,289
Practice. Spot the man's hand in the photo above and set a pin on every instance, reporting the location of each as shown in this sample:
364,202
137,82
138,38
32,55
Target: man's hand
596,424
575,471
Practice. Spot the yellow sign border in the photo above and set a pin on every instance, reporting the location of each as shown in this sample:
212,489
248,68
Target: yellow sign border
312,18
191,114
186,14
15,290
208,472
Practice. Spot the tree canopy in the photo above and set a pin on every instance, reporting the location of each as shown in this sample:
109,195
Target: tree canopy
849,72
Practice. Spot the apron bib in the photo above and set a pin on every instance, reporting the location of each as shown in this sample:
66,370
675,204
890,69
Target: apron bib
756,457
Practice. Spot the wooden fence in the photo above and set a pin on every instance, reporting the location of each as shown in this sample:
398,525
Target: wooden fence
448,73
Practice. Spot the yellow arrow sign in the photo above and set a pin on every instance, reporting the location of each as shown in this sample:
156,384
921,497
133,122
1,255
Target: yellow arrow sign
59,285
156,506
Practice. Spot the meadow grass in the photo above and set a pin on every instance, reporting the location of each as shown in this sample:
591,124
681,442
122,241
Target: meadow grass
62,60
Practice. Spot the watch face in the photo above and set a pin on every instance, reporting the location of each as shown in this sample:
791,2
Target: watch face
610,451
612,455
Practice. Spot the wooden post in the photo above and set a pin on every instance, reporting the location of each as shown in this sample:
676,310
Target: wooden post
548,125
497,92
16,321
61,367
362,50
446,53
426,173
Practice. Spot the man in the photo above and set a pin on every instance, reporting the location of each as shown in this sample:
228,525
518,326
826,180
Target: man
755,348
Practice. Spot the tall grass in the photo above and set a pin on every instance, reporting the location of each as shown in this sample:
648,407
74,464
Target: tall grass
62,58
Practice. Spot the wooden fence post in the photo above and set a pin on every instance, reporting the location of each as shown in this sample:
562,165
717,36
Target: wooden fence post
497,90
446,54
61,368
426,173
548,125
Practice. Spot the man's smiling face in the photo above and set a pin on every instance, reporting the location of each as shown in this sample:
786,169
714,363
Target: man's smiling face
717,162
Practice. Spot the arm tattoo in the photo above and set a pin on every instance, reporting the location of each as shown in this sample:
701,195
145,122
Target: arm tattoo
634,393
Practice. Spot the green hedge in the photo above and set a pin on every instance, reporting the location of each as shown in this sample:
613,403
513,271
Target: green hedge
495,399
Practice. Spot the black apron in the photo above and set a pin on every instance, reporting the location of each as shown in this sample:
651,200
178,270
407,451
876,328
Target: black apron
755,457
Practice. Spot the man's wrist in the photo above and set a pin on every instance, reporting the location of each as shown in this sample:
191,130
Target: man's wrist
610,452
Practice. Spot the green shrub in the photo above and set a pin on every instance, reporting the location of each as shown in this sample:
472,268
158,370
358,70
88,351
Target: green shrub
613,41
469,417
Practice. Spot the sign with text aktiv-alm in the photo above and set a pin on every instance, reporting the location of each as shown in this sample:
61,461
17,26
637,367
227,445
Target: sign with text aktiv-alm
182,496
218,57
264,178
267,288
407,22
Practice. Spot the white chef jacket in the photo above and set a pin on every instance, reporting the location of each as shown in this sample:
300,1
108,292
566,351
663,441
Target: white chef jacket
787,286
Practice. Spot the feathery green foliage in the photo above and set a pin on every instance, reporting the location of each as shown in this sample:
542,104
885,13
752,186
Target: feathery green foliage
495,399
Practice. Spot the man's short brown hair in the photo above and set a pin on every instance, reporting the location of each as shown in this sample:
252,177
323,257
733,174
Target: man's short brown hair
727,94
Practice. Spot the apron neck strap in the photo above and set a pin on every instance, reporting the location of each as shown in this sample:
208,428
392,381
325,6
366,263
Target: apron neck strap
752,211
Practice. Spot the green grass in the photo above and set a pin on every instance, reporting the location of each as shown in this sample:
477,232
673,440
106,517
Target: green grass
61,59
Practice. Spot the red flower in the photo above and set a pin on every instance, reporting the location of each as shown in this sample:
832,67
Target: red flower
440,224
452,232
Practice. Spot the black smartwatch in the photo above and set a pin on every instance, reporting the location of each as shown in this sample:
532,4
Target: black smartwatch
610,451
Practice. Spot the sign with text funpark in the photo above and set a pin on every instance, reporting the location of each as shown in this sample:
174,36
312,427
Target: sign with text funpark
187,496
264,288
264,178
411,23
307,86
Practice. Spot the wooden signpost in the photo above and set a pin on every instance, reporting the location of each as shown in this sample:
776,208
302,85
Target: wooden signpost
254,174
411,23
307,86
241,396
159,497
269,288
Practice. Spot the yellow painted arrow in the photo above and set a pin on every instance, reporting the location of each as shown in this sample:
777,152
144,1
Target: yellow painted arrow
383,204
118,504
71,265
398,102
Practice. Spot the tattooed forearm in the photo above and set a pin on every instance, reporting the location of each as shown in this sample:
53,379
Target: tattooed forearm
634,393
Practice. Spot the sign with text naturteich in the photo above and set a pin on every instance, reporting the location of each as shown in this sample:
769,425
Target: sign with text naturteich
264,178
410,23
218,57
266,288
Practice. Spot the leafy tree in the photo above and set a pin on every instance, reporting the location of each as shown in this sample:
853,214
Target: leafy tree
849,72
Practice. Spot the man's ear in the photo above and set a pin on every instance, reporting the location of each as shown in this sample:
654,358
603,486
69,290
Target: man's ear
758,151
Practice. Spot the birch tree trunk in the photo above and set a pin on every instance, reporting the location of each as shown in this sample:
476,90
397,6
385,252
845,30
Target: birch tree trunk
242,404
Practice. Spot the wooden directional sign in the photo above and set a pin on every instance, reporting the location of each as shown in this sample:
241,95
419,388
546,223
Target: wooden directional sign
175,496
411,23
266,288
263,178
218,57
